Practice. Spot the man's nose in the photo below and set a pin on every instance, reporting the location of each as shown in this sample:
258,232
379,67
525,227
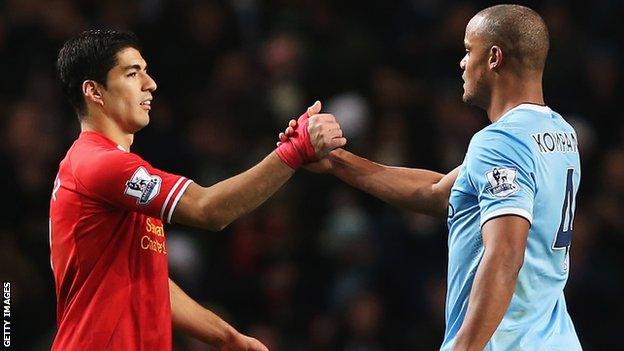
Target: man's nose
150,84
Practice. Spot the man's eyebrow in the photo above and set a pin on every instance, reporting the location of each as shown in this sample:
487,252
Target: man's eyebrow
135,66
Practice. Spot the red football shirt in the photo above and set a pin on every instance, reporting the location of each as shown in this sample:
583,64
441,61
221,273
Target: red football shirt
108,248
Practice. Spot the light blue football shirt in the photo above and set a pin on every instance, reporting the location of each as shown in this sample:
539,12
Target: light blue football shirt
525,164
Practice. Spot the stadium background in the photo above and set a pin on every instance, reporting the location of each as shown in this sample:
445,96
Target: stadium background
320,266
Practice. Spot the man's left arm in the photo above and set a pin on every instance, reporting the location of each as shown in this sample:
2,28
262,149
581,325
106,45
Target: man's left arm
504,241
191,318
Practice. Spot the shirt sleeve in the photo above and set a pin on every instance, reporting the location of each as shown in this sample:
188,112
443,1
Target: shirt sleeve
125,180
501,169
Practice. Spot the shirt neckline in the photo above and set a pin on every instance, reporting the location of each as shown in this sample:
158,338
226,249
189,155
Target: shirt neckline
102,137
526,106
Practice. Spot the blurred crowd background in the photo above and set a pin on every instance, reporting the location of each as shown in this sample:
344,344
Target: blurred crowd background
320,266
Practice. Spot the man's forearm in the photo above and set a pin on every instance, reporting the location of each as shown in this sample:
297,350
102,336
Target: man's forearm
490,296
414,189
222,203
190,317
243,193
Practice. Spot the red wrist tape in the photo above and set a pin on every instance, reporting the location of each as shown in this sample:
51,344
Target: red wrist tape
298,149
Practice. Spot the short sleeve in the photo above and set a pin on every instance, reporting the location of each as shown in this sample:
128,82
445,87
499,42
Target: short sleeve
501,170
125,180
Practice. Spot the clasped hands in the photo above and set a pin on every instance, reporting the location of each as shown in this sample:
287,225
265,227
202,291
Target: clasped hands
309,139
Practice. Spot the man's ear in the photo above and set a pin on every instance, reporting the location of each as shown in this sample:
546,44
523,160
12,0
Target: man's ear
92,92
495,59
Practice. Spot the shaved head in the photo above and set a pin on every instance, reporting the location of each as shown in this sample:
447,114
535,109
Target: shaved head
520,32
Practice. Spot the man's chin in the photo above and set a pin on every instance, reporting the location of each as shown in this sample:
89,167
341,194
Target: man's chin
140,124
471,101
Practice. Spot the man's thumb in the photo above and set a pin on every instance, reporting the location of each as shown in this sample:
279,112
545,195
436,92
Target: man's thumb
314,109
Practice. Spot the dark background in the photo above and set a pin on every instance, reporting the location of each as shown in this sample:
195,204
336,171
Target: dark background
320,266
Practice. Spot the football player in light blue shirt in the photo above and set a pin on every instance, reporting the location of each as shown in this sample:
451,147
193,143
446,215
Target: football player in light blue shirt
523,168
511,208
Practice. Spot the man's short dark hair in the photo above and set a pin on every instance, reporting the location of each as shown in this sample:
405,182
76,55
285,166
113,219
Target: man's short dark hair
519,31
89,56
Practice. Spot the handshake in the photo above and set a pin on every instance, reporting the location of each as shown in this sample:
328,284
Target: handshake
309,139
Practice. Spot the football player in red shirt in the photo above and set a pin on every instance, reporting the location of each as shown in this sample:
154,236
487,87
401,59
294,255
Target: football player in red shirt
108,245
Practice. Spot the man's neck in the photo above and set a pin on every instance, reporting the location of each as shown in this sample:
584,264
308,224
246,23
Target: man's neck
510,94
109,129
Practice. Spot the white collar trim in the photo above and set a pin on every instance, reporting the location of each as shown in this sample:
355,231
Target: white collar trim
534,107
526,106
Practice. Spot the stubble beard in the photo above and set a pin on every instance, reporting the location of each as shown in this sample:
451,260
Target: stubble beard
478,95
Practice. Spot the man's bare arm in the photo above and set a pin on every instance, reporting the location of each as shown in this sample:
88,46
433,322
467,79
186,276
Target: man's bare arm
191,318
409,188
504,240
215,207
418,190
